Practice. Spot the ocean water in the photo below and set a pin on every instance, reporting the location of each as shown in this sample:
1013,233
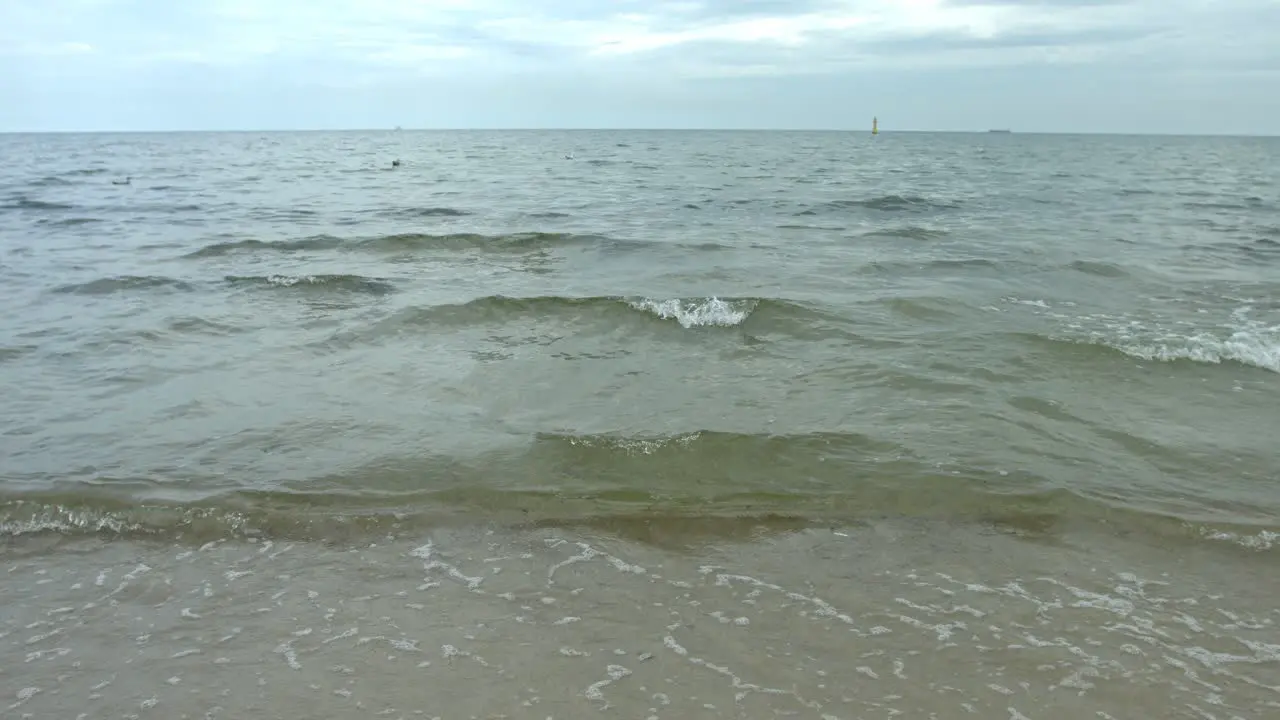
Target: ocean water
654,424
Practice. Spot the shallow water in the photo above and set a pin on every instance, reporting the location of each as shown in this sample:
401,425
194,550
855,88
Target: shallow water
888,619
669,341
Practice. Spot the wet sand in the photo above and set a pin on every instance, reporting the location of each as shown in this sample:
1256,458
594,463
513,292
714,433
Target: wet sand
908,619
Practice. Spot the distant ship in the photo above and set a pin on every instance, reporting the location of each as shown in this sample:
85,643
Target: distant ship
1000,131
875,126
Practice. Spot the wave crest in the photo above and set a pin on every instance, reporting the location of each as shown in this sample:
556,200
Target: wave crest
341,283
318,242
124,283
1244,341
699,312
1258,348
405,242
22,202
687,312
885,204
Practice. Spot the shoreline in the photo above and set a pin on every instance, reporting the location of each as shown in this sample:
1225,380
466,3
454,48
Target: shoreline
257,517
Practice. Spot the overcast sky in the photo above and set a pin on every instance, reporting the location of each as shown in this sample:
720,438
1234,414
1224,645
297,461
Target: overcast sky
1195,66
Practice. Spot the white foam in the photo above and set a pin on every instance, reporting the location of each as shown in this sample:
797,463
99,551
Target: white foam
350,632
1263,540
1030,303
634,446
1074,634
615,672
1240,339
699,312
405,645
291,280
290,655
427,551
1261,349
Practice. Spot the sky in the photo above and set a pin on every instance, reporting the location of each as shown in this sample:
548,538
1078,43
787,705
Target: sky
1128,66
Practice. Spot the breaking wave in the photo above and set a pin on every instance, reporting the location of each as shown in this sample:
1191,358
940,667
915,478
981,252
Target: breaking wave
1259,348
1242,341
700,312
689,313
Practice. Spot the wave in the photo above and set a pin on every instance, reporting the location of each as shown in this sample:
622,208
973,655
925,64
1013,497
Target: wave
200,326
296,214
424,212
1230,254
752,320
1247,203
1100,269
943,309
71,222
332,283
1256,346
720,448
124,283
593,477
1259,349
22,202
338,283
944,265
159,208
699,312
1263,247
884,203
907,232
314,517
514,242
406,242
688,313
15,352
812,228
316,242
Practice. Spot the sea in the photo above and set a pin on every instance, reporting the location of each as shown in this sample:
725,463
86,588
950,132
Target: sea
639,424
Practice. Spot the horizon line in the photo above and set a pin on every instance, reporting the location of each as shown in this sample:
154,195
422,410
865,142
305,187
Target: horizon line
997,131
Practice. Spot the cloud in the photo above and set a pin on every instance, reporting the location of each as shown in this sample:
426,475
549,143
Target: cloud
667,50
